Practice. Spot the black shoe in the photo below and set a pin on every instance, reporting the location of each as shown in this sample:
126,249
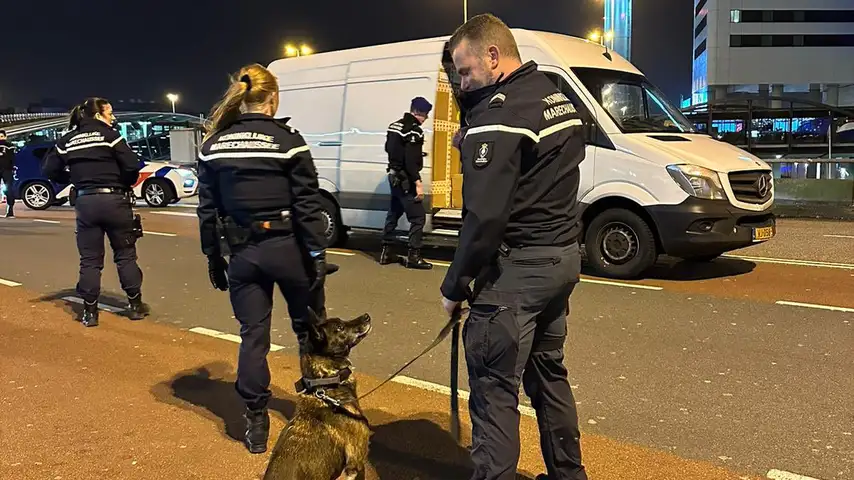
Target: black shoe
414,260
90,314
387,256
10,211
542,476
257,430
137,310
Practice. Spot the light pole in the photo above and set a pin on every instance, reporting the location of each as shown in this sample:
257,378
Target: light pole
465,11
172,98
302,50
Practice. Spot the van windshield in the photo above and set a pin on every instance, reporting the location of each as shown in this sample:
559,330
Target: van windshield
635,104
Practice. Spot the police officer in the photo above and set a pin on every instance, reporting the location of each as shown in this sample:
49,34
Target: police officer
519,243
258,182
7,172
404,142
103,169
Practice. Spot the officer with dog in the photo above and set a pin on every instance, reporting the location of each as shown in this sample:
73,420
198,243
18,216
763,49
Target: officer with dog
7,172
519,244
98,161
404,143
258,190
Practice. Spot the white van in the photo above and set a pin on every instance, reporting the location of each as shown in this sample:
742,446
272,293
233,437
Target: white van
650,184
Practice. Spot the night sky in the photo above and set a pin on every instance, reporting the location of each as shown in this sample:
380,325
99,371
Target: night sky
121,49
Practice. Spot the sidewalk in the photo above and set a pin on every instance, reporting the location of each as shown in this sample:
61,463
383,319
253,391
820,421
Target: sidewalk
139,400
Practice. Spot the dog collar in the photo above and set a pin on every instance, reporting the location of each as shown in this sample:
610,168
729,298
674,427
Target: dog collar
308,385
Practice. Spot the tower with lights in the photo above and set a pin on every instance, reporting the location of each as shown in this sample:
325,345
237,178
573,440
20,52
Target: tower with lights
618,19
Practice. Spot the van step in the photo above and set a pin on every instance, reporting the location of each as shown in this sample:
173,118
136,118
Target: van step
449,213
445,232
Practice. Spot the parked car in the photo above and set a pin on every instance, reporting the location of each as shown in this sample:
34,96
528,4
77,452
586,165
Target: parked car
159,183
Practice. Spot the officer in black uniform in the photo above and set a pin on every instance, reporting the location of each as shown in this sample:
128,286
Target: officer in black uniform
103,169
7,172
258,188
519,243
404,142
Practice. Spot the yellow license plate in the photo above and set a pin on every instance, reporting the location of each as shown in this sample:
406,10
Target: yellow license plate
763,233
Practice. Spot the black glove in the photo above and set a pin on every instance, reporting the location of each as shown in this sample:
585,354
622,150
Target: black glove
217,268
319,274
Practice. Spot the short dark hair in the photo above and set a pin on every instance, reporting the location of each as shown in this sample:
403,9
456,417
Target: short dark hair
484,30
2,132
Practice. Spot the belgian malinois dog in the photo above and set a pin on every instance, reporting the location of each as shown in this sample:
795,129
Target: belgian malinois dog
327,439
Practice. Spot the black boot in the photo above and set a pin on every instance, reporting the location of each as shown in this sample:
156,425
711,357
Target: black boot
257,430
137,310
10,211
90,314
414,260
387,256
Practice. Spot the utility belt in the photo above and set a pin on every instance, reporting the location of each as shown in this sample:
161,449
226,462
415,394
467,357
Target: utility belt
399,178
236,235
102,191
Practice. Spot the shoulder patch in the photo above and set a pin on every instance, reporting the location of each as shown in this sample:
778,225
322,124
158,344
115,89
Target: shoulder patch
483,154
497,100
283,122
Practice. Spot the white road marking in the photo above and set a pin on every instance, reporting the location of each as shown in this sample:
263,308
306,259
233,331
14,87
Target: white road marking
783,475
186,205
9,283
839,236
437,388
343,253
815,305
176,214
101,306
45,221
146,232
228,336
620,284
788,261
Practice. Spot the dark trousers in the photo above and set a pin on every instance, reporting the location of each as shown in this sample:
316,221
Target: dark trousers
8,176
516,333
404,202
112,214
253,270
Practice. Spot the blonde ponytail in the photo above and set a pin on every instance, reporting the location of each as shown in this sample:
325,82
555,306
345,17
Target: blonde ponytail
251,87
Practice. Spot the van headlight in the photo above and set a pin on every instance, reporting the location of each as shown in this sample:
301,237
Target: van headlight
698,181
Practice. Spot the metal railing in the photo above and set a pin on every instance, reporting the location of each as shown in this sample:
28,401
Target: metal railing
812,168
12,118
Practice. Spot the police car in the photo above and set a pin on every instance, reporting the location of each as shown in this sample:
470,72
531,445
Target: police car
159,184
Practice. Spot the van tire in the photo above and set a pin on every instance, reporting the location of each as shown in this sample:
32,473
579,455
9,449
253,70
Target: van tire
620,244
335,235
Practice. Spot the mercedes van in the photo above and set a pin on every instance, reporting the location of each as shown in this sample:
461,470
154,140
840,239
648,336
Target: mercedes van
650,184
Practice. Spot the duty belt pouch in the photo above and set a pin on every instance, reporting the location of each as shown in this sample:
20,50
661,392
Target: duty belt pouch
394,179
234,234
137,226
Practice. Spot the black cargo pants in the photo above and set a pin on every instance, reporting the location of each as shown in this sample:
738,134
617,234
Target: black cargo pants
404,202
8,177
254,268
109,213
516,333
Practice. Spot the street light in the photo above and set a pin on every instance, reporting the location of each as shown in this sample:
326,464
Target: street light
302,50
594,36
172,98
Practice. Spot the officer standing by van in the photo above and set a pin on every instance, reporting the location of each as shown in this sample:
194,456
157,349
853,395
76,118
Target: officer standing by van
519,243
7,172
258,188
103,169
404,145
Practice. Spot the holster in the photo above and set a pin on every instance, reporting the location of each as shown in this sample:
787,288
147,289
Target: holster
236,235
137,225
399,178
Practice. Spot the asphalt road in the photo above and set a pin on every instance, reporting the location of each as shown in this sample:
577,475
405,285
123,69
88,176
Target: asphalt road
699,360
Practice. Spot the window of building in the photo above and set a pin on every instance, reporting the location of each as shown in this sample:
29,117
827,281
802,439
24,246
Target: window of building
700,27
791,16
790,41
735,16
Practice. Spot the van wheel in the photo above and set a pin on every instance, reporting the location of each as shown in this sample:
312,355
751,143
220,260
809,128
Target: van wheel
38,195
620,244
332,226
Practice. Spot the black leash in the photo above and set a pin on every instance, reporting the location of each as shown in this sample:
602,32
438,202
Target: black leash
455,368
452,325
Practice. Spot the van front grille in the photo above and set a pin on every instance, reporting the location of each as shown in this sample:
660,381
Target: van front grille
755,186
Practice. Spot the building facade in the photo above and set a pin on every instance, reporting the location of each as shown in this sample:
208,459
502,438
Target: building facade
793,48
618,21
